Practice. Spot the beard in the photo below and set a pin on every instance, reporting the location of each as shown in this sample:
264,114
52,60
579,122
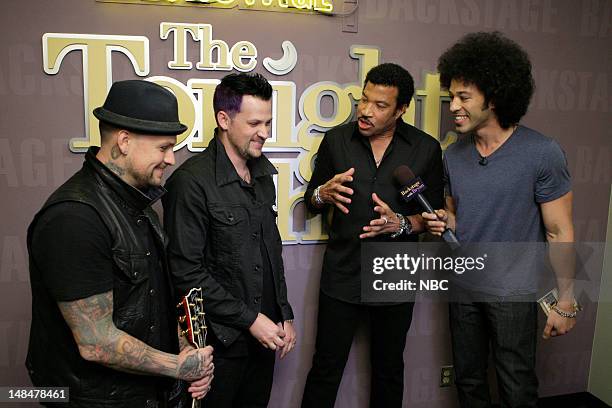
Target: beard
249,153
144,179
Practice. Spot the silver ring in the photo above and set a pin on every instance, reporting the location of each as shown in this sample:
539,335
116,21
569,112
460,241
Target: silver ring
386,220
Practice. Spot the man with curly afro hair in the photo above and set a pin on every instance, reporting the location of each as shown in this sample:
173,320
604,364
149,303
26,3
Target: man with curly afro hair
504,183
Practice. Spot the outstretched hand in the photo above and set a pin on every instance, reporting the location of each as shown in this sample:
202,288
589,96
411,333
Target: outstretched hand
334,192
387,223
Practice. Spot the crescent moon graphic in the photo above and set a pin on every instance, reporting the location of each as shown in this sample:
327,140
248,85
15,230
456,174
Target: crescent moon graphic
284,64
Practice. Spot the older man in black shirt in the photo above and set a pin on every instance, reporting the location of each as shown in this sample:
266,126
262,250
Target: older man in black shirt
353,178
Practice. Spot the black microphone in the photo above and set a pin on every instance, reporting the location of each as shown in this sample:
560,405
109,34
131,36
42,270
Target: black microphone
483,161
412,187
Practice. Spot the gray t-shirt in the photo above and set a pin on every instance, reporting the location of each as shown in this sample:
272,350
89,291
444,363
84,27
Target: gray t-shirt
500,202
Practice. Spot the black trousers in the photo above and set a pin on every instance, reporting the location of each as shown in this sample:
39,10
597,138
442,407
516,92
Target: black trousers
510,329
243,375
336,326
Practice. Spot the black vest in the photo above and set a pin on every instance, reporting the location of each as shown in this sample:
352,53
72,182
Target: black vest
53,357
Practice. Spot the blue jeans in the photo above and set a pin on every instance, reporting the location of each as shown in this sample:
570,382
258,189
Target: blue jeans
510,328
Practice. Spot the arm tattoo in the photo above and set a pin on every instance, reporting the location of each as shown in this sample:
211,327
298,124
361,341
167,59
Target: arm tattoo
99,340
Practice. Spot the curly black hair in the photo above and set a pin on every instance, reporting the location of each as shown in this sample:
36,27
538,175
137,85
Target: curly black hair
497,66
389,74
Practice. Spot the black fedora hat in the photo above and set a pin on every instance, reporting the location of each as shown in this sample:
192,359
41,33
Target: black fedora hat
141,106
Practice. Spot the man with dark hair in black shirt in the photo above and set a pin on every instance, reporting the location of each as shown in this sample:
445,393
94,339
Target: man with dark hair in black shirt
221,218
103,320
353,179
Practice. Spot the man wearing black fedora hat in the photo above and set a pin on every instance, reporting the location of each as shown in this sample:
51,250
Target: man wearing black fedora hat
103,321
220,214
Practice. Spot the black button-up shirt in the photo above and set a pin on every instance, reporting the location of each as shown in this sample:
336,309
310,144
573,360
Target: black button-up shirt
217,226
344,147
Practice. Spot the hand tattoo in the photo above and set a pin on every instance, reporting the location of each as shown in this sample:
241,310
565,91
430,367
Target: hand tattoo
192,368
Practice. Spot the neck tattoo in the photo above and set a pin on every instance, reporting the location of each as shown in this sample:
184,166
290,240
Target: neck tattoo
118,170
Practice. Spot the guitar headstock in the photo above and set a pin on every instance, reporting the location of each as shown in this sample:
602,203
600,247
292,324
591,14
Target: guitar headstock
191,317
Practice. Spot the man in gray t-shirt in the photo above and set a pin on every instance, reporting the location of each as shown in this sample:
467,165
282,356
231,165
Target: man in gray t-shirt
505,183
502,202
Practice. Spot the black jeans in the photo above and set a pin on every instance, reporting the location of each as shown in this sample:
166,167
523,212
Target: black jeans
510,328
336,326
243,374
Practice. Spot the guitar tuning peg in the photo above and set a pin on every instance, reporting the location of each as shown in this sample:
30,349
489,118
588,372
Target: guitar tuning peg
199,299
201,313
184,333
196,332
191,304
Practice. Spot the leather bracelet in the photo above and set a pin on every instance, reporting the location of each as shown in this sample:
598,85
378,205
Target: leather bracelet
563,313
317,197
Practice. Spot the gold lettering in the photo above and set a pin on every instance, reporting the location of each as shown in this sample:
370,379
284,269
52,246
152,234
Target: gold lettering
344,99
195,101
97,69
313,123
205,126
431,109
286,199
180,31
207,45
301,4
244,56
324,6
298,6
283,124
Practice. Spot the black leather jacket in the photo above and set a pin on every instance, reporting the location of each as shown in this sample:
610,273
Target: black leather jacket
214,221
53,358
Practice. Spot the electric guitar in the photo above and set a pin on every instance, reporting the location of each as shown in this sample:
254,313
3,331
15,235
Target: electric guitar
192,322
